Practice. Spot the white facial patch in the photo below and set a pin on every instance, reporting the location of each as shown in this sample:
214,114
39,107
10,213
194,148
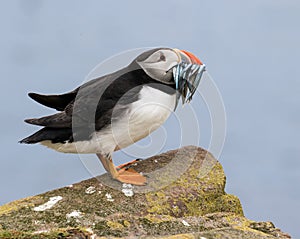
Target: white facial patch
159,63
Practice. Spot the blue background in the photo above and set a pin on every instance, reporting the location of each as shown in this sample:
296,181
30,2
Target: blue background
251,49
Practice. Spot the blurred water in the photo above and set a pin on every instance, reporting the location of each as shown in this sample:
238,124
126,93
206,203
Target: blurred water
251,50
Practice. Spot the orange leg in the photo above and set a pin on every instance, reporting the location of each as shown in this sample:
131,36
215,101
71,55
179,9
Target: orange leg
123,175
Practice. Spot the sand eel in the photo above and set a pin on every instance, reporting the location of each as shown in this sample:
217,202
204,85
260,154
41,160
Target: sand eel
114,111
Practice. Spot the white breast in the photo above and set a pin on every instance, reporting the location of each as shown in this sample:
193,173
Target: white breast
142,117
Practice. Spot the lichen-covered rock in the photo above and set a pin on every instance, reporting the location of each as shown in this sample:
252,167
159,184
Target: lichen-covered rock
184,198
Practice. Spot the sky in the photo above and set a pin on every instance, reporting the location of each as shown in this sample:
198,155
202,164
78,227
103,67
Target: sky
252,52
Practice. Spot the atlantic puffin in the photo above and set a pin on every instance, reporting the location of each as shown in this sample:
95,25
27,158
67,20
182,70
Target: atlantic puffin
116,110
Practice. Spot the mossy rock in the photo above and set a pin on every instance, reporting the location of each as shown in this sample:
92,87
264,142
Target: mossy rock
184,198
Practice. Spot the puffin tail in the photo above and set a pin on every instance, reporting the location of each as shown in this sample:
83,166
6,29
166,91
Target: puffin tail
58,102
53,134
59,120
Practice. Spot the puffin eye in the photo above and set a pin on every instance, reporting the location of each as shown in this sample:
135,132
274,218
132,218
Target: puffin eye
162,57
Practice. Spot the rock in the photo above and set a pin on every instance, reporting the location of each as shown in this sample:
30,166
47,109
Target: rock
184,198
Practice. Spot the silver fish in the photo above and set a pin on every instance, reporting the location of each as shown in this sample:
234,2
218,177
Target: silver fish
187,77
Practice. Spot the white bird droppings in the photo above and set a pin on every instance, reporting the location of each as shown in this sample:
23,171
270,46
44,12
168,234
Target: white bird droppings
185,223
40,231
75,214
203,238
52,201
109,197
127,189
90,190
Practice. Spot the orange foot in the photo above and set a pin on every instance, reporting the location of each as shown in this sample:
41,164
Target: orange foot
125,165
130,176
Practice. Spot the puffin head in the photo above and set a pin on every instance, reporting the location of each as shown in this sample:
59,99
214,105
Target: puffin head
173,67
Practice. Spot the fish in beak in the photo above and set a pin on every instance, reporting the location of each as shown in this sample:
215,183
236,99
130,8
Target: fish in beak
187,75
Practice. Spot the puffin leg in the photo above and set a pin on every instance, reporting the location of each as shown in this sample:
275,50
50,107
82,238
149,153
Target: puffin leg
123,175
103,161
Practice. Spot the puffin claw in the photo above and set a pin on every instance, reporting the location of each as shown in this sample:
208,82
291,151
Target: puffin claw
146,175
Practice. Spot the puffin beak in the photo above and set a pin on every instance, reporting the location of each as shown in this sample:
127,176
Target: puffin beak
187,74
192,57
187,57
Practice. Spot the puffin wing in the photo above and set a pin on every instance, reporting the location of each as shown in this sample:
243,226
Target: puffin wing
99,100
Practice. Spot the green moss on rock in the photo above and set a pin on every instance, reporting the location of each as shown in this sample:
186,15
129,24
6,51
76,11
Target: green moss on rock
194,196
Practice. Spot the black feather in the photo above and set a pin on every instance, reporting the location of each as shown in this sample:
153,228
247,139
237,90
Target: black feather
55,135
59,120
58,102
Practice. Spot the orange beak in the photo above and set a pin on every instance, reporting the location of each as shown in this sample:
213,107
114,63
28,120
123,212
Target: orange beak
193,58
